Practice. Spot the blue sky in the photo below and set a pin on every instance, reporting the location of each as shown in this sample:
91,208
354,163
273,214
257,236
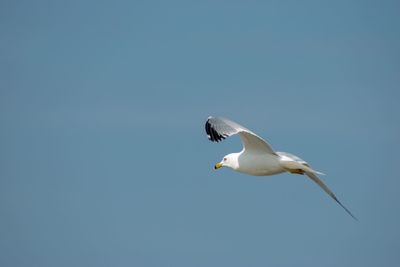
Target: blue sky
104,160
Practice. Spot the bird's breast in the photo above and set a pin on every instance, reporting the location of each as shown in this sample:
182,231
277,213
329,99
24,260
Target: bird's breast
259,164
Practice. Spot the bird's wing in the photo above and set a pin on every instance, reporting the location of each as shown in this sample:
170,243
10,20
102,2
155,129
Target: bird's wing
218,129
318,181
288,156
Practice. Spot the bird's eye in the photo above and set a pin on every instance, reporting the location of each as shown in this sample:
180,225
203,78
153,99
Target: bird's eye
224,159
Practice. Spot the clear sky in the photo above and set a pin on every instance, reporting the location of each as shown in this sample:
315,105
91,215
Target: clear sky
103,156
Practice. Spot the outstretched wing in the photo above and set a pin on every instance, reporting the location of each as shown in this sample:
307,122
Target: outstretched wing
218,129
292,162
318,181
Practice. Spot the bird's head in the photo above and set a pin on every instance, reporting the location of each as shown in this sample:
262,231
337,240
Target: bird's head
230,160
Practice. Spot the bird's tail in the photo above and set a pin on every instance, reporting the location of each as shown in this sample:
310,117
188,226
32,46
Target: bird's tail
311,170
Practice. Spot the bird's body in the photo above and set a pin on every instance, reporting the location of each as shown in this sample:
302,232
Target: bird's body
258,164
257,157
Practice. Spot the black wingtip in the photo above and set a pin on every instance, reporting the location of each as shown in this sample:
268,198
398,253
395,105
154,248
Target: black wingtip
212,134
348,211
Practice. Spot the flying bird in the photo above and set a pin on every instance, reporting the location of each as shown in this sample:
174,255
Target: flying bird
258,158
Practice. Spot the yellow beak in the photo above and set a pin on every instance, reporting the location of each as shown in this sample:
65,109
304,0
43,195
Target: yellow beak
218,165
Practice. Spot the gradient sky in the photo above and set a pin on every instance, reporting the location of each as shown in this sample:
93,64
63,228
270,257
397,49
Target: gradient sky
103,156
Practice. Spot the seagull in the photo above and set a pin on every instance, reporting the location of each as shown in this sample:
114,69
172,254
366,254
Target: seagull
258,158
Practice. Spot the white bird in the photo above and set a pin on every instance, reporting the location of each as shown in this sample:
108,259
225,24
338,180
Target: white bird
258,157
